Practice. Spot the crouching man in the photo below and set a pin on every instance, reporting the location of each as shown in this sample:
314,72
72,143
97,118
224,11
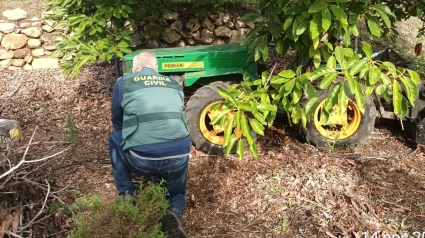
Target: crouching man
150,136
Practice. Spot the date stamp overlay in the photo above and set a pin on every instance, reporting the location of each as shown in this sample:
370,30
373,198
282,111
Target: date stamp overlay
415,234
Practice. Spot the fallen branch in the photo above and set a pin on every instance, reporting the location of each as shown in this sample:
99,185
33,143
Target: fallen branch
405,208
41,210
47,157
23,157
63,188
418,215
23,161
43,143
19,228
37,168
13,234
41,186
10,165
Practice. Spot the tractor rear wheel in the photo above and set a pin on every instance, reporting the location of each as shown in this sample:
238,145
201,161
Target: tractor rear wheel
352,128
205,137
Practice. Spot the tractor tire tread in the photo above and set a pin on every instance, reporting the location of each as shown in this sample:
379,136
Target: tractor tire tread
367,125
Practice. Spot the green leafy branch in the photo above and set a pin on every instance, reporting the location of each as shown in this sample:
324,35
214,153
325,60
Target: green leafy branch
303,25
321,33
244,112
97,30
361,76
295,92
404,9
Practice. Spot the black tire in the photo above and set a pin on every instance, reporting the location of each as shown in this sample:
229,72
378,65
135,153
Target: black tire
203,97
366,127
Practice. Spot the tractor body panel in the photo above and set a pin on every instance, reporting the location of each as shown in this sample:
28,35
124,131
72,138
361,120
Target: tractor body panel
192,77
195,62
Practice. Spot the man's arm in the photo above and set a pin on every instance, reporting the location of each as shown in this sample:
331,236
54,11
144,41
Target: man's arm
116,110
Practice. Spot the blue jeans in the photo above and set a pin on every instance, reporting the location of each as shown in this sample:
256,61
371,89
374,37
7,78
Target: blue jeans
173,171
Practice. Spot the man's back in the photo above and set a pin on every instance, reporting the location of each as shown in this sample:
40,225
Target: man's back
153,116
150,136
153,104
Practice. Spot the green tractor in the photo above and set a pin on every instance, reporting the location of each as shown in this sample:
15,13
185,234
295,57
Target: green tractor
202,69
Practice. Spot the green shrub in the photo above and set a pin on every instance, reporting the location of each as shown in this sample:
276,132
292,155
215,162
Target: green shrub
205,7
322,33
137,216
98,29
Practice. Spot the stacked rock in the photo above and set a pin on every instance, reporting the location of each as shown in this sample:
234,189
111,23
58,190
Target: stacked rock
222,28
27,43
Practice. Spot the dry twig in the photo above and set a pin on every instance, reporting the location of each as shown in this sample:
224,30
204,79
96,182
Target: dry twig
42,187
41,210
23,157
16,231
43,143
13,234
23,161
270,76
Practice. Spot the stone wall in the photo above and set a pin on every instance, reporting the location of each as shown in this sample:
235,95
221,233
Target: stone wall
183,31
27,43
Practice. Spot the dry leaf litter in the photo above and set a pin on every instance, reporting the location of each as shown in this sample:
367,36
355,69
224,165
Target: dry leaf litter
291,190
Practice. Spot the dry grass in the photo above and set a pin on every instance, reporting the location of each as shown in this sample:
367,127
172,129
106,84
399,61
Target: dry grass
35,9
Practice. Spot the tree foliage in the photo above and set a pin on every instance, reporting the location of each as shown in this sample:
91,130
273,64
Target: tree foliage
321,32
98,29
404,9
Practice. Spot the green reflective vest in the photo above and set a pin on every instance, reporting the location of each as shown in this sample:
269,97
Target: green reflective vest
153,109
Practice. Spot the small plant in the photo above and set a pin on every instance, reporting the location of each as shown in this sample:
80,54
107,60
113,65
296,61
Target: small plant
283,224
265,223
349,147
276,188
56,206
289,202
137,216
72,127
394,225
330,144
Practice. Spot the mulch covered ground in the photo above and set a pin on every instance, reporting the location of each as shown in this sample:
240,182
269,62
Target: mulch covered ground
291,190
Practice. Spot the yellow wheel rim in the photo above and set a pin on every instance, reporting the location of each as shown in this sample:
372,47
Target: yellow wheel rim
213,133
339,126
